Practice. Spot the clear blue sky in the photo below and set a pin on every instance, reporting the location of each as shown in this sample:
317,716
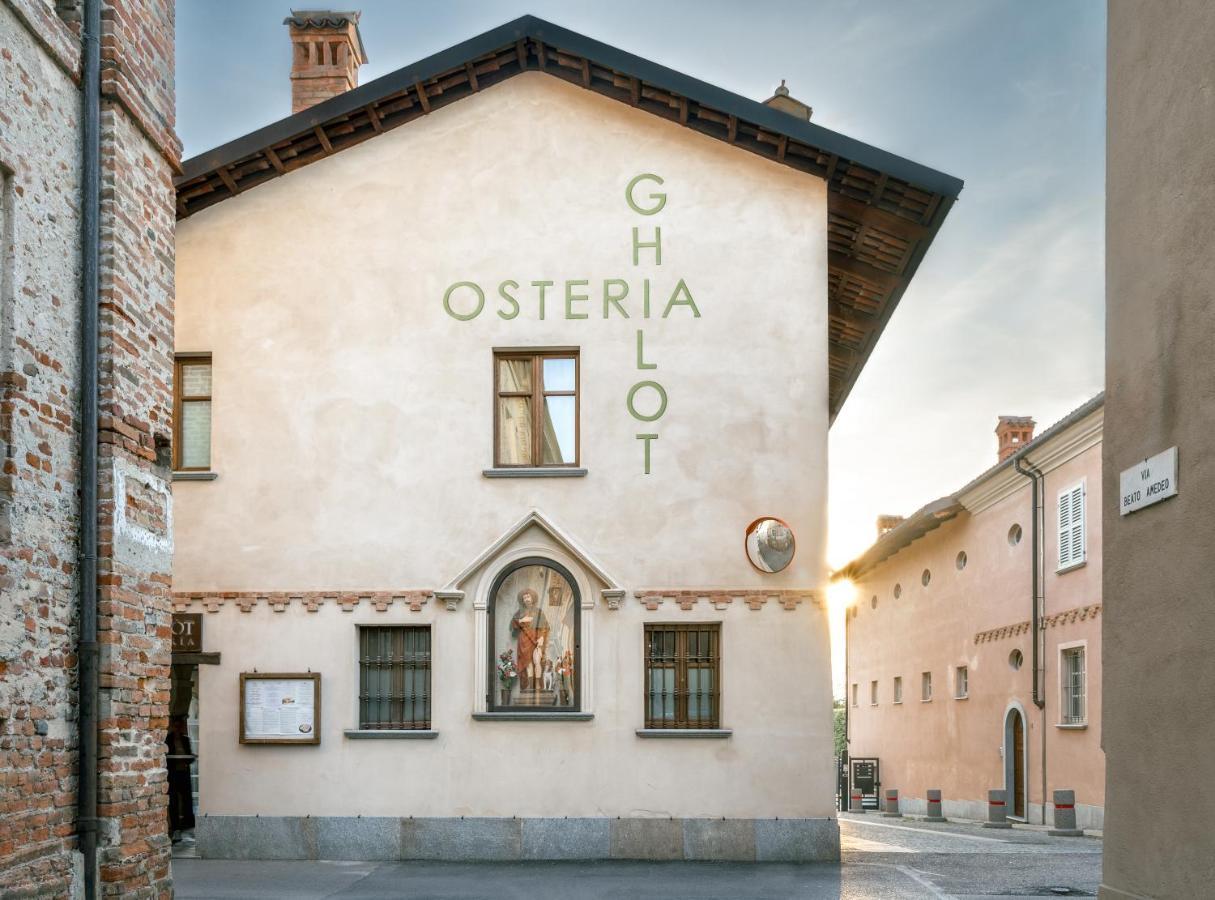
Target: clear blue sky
1006,313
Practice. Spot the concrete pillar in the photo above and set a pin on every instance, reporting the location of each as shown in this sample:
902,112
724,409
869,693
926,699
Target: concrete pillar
934,806
856,804
1065,815
997,811
892,804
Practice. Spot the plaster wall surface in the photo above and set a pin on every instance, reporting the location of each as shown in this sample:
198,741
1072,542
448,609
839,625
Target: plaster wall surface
1160,393
353,421
976,617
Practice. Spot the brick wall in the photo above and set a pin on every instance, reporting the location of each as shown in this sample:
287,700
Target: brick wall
39,436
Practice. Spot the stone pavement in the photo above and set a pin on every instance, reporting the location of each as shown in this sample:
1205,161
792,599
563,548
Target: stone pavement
882,859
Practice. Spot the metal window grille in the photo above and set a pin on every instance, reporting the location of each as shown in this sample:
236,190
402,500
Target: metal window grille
963,682
1073,685
394,678
683,676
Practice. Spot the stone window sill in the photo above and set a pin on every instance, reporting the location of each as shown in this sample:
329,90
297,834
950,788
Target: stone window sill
525,716
1072,726
538,472
195,476
963,697
1072,567
685,732
373,734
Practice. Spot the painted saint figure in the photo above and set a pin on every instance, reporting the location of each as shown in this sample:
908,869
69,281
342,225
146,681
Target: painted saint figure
529,627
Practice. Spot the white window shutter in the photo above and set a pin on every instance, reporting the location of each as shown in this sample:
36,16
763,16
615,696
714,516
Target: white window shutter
1065,529
1071,526
1078,537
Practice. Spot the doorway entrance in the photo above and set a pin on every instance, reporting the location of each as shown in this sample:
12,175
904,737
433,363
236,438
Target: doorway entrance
1014,763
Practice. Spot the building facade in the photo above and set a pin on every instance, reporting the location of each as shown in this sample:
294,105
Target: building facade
85,817
946,688
1160,625
504,385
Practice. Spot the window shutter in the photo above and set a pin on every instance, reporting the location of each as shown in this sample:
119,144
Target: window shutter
1065,529
1078,541
1071,526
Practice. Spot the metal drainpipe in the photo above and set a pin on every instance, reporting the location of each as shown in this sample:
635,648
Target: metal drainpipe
90,83
1035,476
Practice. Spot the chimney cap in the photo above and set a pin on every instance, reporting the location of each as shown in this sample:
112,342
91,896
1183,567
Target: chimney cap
1023,421
781,99
308,19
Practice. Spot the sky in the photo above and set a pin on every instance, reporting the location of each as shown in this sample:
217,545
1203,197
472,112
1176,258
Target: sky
1006,313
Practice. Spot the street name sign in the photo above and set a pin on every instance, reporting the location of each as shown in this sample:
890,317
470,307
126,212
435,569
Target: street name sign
1151,481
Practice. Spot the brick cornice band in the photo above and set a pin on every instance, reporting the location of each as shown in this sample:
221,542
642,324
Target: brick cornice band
1067,617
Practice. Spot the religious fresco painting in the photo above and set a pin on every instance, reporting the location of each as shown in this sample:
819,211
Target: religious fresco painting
534,611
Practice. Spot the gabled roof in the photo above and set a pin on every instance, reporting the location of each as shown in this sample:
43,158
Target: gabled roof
883,210
940,511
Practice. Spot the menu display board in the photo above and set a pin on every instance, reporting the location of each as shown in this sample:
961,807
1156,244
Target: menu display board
278,708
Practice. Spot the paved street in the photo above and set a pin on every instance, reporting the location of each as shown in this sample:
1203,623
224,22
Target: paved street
882,859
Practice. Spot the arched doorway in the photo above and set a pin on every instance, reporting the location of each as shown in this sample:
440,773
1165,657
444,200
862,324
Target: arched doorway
1014,762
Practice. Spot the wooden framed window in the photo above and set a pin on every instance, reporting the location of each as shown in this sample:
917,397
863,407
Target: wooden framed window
536,408
683,675
394,677
192,412
925,687
961,683
898,688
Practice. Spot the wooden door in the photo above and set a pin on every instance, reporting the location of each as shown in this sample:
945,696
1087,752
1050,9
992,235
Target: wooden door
1018,749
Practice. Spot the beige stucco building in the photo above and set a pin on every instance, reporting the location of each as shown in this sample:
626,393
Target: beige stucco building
487,379
1159,723
946,688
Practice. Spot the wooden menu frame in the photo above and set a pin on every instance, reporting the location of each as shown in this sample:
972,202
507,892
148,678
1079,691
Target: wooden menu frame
311,738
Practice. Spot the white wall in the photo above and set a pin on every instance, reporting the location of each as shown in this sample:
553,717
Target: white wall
353,420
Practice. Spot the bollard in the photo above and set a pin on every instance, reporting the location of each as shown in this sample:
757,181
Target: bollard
856,804
997,811
934,806
892,804
1065,815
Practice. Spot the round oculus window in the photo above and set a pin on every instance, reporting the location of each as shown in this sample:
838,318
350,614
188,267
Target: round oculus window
873,602
898,591
925,577
1015,659
1014,535
960,562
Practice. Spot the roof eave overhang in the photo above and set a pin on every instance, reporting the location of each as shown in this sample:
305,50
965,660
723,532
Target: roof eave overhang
883,210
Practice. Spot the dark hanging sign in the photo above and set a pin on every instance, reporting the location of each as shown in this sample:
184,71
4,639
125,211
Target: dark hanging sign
187,632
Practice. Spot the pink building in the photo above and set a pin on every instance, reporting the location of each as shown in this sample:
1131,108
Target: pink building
946,685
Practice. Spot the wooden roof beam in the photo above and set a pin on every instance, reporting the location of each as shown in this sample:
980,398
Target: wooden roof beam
323,138
275,161
472,76
226,177
883,281
422,98
892,223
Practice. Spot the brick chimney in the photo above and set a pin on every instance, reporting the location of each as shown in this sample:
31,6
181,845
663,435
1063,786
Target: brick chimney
326,52
1013,433
787,104
887,523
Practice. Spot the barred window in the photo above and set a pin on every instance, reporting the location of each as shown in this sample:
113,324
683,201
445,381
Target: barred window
683,676
394,677
1073,686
